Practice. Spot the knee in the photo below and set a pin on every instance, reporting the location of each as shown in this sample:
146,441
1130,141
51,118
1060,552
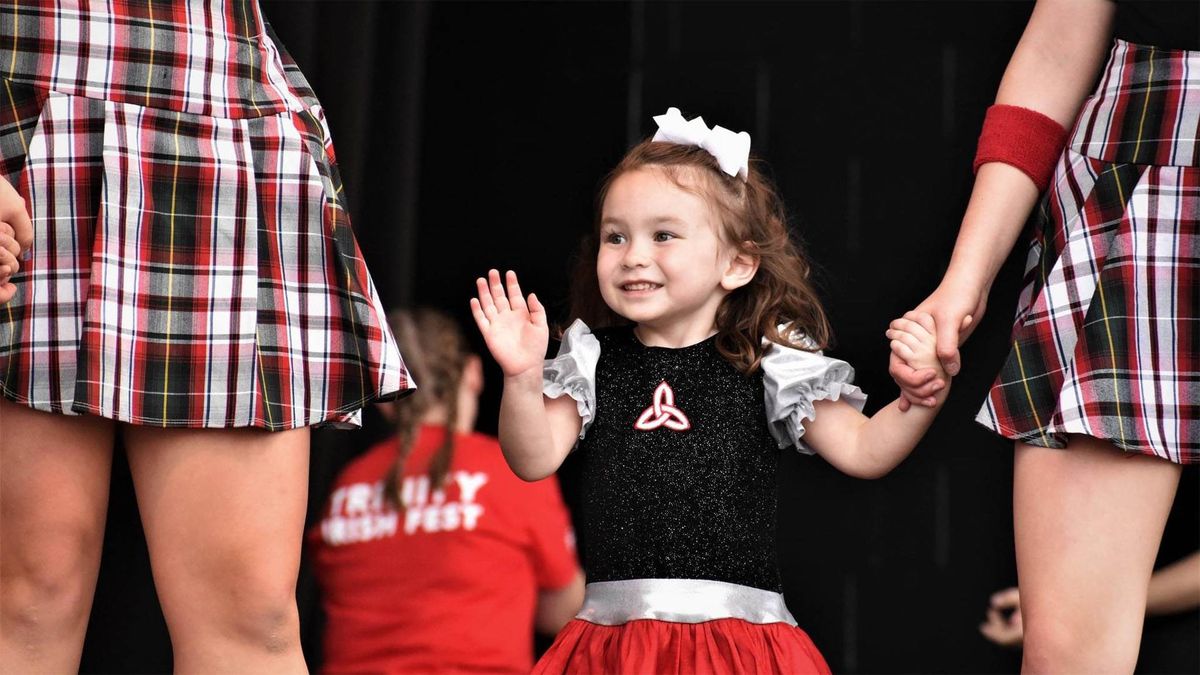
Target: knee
1057,646
49,578
266,618
245,604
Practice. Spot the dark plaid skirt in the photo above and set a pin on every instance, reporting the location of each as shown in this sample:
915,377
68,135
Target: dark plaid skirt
1106,341
192,265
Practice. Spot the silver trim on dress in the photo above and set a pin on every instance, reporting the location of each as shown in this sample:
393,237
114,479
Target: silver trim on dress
612,603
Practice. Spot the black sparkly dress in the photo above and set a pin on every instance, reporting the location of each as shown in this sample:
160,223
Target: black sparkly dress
680,451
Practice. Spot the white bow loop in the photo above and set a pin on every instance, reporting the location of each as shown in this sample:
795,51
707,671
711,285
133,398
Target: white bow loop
731,150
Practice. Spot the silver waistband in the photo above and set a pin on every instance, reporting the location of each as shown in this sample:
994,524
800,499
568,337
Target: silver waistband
612,603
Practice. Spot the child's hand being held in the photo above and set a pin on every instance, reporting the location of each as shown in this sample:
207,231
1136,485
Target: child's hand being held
516,331
914,340
10,262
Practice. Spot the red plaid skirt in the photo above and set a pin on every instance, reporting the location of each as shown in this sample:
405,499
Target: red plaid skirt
712,647
1106,341
192,265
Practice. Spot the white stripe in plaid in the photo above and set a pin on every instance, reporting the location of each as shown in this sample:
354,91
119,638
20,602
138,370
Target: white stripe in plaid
1107,335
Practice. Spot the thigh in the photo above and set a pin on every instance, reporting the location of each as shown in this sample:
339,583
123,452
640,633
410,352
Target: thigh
54,475
1088,522
223,511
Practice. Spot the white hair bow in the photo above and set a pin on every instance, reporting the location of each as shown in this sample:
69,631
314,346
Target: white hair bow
732,151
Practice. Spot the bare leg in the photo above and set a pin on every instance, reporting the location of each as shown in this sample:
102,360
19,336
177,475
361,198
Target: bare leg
1088,522
224,517
54,474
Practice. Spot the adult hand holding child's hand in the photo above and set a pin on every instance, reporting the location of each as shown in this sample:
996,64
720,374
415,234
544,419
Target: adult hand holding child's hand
956,308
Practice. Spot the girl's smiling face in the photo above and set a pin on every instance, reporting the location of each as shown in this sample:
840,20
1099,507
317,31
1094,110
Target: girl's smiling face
662,263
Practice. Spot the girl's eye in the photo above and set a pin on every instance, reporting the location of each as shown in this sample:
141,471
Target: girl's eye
614,238
663,236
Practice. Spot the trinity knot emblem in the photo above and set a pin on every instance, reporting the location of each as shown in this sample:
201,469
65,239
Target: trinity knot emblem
662,412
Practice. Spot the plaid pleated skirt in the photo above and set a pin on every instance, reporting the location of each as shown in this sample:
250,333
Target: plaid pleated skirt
193,265
1106,340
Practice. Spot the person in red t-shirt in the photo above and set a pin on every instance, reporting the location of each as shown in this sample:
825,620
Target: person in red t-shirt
439,558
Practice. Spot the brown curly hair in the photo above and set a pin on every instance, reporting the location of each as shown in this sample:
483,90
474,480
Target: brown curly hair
753,220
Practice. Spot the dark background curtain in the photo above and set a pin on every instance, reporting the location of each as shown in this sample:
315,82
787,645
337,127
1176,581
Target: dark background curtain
473,135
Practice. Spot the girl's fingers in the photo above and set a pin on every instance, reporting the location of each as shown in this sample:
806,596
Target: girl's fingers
902,350
913,328
911,341
9,265
515,299
537,313
485,298
481,319
498,297
925,319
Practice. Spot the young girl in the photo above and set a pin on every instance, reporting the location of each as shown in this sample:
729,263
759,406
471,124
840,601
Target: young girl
700,356
432,556
190,281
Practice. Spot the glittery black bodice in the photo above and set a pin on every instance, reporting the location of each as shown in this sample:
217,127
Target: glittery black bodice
682,491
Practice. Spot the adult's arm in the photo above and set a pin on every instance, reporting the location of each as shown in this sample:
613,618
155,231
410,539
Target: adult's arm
1051,72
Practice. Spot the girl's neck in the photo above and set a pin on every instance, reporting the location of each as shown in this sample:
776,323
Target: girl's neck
675,334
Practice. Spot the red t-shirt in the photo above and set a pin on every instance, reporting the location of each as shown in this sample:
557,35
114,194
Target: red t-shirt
451,582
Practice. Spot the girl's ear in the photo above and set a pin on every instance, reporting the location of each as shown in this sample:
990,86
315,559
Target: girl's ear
742,268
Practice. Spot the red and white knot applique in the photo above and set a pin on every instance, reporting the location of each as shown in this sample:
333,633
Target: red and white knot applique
663,413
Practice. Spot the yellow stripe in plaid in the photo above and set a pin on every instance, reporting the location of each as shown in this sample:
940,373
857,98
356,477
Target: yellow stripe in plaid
246,20
170,277
1029,395
12,63
262,378
1145,104
150,66
1112,351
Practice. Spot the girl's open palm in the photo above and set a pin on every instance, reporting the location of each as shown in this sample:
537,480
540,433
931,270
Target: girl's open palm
515,330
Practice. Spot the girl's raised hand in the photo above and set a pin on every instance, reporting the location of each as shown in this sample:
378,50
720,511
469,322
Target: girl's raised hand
515,330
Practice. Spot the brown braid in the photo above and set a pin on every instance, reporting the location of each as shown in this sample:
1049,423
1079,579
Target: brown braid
435,352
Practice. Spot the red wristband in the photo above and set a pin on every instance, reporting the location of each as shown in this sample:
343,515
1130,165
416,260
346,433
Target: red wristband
1022,138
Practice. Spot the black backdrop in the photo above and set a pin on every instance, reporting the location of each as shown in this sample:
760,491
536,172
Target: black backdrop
473,135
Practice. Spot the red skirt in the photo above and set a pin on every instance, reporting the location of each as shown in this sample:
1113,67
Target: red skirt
651,646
